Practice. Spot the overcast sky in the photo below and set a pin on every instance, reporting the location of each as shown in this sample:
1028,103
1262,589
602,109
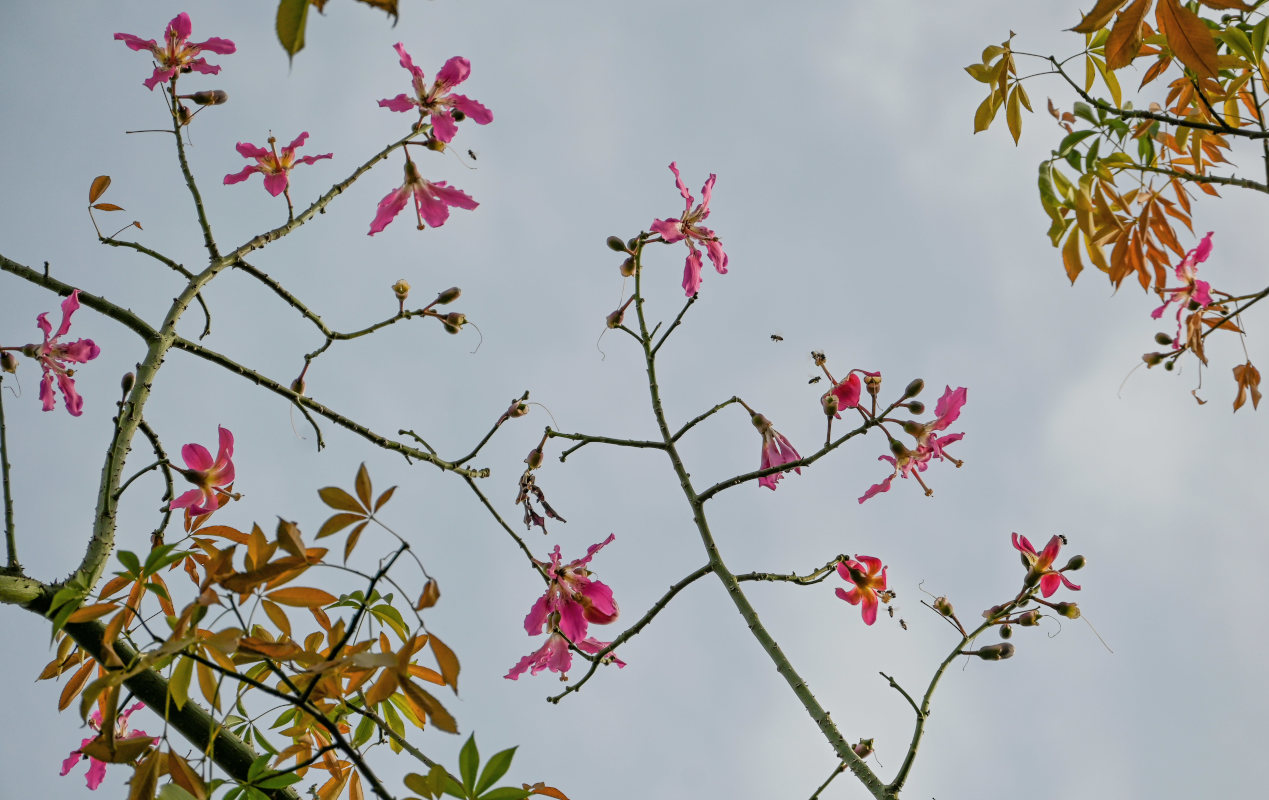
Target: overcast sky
862,218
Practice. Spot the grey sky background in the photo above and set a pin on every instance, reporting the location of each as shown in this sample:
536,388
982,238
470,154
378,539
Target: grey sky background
861,217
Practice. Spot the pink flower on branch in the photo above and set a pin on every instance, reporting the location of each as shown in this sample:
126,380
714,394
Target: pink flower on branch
869,579
97,768
909,463
572,600
776,451
275,167
54,356
443,107
212,477
432,201
177,54
1040,565
687,227
1194,290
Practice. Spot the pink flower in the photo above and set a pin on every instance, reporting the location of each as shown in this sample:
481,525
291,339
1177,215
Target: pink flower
54,356
555,656
1194,289
869,578
431,201
909,463
177,53
572,601
849,390
206,474
97,769
274,167
573,596
438,102
688,227
1040,565
776,451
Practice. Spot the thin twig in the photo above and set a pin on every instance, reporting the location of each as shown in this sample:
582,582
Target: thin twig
674,324
10,537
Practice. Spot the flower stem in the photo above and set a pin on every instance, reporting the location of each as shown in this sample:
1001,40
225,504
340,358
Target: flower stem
10,538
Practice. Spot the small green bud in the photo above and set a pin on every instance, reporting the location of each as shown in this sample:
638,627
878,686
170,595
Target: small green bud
1153,359
615,319
863,748
1006,631
1068,610
615,244
8,362
534,459
916,407
1029,619
830,403
1169,366
210,97
897,448
458,115
913,429
627,268
128,380
632,243
913,389
943,606
1076,563
994,652
401,289
448,296
297,386
1163,338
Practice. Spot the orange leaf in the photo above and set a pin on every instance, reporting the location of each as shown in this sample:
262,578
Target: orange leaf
185,777
302,596
1248,377
363,485
99,186
385,497
107,207
73,686
88,613
447,661
429,675
1096,19
225,532
1188,37
277,616
1071,256
431,593
542,789
351,542
1124,43
435,711
337,523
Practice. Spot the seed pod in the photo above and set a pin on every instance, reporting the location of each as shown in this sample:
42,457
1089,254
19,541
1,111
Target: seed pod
448,296
615,244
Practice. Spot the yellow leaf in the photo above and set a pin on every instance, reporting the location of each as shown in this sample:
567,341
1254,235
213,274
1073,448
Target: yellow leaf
208,685
1013,115
338,499
447,661
1188,37
986,113
302,596
1099,16
178,684
1071,256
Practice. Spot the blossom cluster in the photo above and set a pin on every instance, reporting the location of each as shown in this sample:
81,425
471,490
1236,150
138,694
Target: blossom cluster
571,602
910,462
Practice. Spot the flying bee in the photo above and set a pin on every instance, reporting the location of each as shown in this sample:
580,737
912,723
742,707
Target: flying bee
903,624
816,379
472,154
775,337
1063,538
891,610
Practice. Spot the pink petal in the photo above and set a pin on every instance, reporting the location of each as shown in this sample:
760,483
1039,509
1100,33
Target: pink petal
69,306
161,75
1050,583
716,254
671,230
476,112
848,391
239,177
80,351
692,273
678,181
771,480
443,125
179,28
226,449
454,72
1202,293
136,42
1067,582
41,322
1023,544
572,620
535,620
399,103
872,563
870,607
74,758
389,207
707,191
217,45
275,183
74,403
949,406
431,207
877,488
248,150
200,65
1050,553
406,61
190,498
197,457
312,159
454,197
1199,254
96,773
851,596
47,397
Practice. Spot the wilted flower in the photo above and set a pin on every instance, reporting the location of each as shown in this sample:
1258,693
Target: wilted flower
1194,289
273,166
96,768
1040,565
776,451
206,474
869,578
439,103
431,201
555,656
177,53
54,356
688,227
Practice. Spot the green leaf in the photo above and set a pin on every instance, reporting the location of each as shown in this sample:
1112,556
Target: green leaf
292,16
130,562
279,781
496,767
365,729
1085,112
178,684
1238,43
1072,139
468,761
1090,160
1259,37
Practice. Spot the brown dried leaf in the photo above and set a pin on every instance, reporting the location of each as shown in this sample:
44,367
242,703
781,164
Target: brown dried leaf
337,523
1194,335
385,497
352,540
388,6
446,660
431,593
1248,378
544,790
362,484
1096,19
1124,43
107,207
340,500
185,777
1188,37
99,186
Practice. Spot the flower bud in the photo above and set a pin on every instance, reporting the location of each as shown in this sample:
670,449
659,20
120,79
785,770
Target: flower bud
1029,619
761,423
448,296
989,613
1068,610
632,243
994,652
127,381
830,403
615,319
1076,563
913,389
183,114
458,115
297,386
1152,359
210,97
897,448
8,362
1006,631
916,407
534,458
615,244
454,322
943,606
627,268
873,384
863,748
1163,338
401,289
434,144
1169,366
913,429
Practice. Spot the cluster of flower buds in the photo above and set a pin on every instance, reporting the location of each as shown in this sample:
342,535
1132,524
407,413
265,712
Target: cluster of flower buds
630,248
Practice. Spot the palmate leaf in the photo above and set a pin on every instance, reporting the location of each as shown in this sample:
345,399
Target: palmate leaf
1099,16
1188,37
